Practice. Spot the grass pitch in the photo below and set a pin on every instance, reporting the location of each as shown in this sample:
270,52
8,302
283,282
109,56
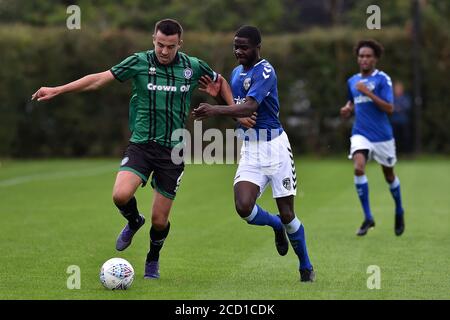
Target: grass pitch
59,213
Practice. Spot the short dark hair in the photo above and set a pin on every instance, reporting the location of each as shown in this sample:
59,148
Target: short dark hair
373,44
169,27
251,33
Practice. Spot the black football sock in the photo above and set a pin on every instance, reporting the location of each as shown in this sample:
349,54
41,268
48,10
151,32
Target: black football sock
131,213
156,242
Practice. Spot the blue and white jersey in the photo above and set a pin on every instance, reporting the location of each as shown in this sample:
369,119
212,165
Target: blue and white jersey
370,121
260,83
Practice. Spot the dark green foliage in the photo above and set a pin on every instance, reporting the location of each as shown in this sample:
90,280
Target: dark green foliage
312,69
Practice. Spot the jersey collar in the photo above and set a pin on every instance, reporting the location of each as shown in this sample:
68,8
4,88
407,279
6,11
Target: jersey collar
374,73
244,72
260,61
175,61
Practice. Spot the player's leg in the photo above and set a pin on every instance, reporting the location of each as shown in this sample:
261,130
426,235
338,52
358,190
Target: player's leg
249,183
283,180
385,154
123,197
394,187
245,195
165,181
360,152
158,233
296,234
132,173
124,189
360,158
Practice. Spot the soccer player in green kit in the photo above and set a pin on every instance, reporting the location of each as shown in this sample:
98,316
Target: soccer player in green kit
163,82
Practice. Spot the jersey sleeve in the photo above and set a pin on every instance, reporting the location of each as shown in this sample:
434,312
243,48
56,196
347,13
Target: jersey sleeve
205,70
349,92
386,91
263,81
126,69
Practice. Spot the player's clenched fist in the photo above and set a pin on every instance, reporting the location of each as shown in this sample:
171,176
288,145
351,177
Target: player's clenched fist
248,122
346,111
361,87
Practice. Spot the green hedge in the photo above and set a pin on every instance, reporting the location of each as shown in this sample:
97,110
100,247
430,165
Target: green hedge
312,70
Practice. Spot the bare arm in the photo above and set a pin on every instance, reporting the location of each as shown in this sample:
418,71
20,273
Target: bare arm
90,82
226,95
225,98
242,110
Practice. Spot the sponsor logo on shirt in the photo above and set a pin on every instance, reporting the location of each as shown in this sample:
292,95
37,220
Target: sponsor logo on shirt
370,85
362,99
154,87
239,100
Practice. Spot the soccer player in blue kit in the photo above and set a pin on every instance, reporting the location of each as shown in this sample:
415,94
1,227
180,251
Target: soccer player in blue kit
266,155
370,98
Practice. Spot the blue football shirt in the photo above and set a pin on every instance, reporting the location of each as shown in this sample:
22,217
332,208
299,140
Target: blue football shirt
370,121
260,83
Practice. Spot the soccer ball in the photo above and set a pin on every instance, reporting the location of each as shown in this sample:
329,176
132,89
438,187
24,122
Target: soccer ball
117,274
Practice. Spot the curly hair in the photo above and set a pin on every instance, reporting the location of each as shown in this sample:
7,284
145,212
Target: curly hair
373,44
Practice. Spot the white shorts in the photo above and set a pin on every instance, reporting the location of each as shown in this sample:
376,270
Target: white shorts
264,162
383,152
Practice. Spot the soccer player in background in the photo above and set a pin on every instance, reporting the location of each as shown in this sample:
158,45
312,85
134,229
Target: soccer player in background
163,80
266,153
370,98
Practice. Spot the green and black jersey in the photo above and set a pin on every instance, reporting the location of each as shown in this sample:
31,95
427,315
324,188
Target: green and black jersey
161,94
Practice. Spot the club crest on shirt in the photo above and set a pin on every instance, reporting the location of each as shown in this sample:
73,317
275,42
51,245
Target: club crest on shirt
287,183
371,85
247,83
187,73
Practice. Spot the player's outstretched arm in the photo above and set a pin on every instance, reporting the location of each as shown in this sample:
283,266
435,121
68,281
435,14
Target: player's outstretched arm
225,98
90,82
243,110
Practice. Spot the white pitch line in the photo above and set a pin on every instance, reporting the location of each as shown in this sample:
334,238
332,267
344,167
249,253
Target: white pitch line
56,175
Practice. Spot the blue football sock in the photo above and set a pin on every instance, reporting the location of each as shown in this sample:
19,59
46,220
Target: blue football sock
296,235
396,194
260,217
362,187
